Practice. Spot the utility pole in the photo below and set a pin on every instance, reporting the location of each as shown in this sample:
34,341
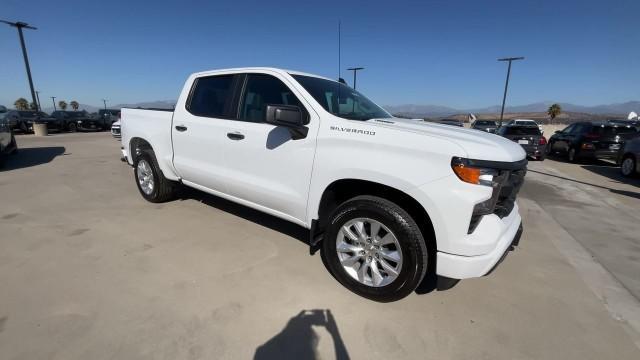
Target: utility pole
53,98
38,98
355,72
506,85
105,103
20,25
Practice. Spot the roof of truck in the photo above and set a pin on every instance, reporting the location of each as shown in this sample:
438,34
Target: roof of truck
251,69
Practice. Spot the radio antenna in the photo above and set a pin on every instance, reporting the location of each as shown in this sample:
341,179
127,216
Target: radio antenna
339,50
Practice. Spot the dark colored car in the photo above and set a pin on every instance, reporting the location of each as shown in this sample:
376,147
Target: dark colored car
23,120
78,120
591,140
629,157
109,116
485,125
528,136
8,143
452,122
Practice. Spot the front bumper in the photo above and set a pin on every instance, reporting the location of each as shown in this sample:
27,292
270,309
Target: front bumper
464,267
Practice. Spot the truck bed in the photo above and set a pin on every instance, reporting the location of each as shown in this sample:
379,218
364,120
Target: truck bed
155,127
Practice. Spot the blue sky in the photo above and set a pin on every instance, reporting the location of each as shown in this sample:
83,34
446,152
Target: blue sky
423,52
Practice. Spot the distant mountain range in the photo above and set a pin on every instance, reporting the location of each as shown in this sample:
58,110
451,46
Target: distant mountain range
439,111
430,111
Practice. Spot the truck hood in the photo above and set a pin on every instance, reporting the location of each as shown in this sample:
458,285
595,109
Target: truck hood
479,145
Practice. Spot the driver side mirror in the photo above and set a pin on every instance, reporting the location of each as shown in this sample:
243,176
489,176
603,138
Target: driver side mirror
287,116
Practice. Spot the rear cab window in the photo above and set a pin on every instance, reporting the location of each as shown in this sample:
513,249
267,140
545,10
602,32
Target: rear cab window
522,130
212,96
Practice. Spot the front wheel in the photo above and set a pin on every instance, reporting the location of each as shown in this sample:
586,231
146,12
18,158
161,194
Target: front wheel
375,249
72,127
628,166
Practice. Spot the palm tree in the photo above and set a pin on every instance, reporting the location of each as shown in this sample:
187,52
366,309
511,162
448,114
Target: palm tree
62,105
33,106
553,111
74,105
21,104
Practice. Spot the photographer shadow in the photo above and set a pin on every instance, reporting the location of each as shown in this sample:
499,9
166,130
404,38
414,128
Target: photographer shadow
298,340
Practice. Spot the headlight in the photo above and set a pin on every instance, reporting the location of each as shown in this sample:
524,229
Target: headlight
79,121
471,174
479,176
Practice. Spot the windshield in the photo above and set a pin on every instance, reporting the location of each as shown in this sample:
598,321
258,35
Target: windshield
521,130
486,123
341,100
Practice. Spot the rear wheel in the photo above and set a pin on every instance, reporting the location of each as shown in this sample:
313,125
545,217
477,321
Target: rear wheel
152,184
628,166
72,127
375,249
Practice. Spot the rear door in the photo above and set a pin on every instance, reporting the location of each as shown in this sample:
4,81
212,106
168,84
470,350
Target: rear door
199,131
267,167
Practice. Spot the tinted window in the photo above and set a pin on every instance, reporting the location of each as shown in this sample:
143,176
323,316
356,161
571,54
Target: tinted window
615,130
27,113
262,90
486,123
522,130
211,96
341,100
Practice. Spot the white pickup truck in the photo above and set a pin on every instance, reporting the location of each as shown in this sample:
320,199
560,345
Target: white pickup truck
387,200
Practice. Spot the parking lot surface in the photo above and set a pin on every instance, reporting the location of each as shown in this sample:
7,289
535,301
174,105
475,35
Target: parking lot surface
89,270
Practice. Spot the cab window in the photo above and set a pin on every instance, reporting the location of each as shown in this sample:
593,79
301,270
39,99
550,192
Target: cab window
262,90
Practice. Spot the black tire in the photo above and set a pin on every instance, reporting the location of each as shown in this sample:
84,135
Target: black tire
72,127
547,149
628,171
163,189
400,223
23,127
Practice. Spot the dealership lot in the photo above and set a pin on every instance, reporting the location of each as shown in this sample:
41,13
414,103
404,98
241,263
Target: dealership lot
89,270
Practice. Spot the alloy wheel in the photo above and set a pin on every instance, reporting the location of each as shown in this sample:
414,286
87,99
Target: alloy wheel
369,252
145,176
627,166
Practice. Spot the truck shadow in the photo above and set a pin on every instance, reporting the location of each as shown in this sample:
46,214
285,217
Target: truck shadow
299,340
28,157
288,228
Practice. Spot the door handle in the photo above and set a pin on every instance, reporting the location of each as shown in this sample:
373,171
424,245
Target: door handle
235,136
181,128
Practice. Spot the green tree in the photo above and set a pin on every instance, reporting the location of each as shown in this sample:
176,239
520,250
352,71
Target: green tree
553,111
62,105
21,104
74,105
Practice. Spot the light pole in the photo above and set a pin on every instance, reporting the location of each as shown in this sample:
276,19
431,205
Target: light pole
506,85
38,98
53,98
20,25
105,103
355,72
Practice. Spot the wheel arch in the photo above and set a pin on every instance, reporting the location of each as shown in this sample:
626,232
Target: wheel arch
344,189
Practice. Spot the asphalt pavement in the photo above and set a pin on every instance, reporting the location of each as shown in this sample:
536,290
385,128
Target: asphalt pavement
89,270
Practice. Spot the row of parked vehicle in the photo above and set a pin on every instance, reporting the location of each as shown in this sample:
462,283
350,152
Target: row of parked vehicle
612,140
62,120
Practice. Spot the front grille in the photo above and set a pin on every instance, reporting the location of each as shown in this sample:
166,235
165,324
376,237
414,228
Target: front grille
509,191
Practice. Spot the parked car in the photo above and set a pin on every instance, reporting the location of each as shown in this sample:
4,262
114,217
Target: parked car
528,136
590,140
109,116
23,120
73,121
485,125
115,129
452,122
629,157
382,197
8,143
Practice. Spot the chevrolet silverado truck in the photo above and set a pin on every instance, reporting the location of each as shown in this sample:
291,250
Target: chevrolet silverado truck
386,200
